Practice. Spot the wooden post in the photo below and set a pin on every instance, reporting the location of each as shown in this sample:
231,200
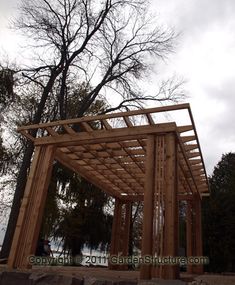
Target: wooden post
171,208
127,223
147,234
189,234
31,211
116,231
198,269
126,234
156,270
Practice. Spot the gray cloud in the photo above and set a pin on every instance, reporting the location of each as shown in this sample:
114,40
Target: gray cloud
204,14
224,125
196,15
6,6
7,10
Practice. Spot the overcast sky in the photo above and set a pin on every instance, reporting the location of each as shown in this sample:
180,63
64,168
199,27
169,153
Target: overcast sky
205,57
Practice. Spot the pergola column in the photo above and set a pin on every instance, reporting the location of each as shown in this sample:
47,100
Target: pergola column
126,229
198,269
171,217
125,233
147,234
120,231
189,234
31,210
116,230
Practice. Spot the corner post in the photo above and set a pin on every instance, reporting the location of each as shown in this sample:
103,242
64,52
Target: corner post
198,269
189,234
31,211
127,223
147,234
171,231
116,231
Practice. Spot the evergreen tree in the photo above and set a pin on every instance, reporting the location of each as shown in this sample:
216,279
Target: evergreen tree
218,217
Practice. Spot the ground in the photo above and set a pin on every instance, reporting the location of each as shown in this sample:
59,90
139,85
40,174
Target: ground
131,276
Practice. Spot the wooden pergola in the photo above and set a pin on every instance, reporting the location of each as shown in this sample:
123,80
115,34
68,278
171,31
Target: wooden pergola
133,157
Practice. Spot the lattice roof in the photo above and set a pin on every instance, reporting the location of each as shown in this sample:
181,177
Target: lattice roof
110,150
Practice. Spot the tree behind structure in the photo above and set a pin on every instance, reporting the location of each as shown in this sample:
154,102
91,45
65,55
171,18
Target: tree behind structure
106,44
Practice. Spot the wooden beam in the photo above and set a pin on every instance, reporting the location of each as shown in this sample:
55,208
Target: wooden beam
51,131
189,147
187,156
27,135
104,136
87,153
187,138
106,124
86,127
197,167
68,130
193,154
195,132
195,161
128,122
150,119
127,160
183,129
107,116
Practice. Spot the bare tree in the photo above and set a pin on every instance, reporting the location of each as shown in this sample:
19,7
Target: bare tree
107,45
